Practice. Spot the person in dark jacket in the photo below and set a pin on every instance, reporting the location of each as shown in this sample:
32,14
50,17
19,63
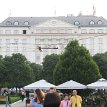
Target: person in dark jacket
52,100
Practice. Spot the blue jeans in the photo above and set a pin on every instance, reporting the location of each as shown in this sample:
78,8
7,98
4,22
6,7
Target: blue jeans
7,104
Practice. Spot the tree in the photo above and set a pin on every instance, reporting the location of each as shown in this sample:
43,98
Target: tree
77,64
2,73
19,72
38,71
49,64
101,60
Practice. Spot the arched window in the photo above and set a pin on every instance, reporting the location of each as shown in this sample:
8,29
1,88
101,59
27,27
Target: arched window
92,22
8,23
99,22
76,23
26,23
16,23
92,31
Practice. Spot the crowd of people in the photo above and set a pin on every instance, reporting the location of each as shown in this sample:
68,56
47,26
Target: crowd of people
53,99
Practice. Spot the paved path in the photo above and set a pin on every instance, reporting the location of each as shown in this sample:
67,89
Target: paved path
17,104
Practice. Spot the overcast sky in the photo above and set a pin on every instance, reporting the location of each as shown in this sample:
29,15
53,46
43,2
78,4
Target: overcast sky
48,7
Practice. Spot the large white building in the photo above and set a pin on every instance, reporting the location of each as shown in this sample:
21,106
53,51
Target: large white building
25,34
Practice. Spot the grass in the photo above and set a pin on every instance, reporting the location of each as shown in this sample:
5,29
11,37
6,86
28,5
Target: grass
12,98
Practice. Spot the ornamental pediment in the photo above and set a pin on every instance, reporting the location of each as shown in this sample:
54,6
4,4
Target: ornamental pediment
55,23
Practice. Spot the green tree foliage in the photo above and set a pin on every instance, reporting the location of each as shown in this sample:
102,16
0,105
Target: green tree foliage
101,60
18,71
38,71
2,73
49,64
76,64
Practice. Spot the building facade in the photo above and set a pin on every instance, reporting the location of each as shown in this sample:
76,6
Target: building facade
25,34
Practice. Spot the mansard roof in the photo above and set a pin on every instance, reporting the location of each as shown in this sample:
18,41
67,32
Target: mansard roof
80,21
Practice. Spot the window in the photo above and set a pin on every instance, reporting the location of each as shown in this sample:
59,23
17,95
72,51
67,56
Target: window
91,45
16,48
24,40
0,41
8,23
38,31
62,31
91,41
0,48
83,42
42,41
92,22
69,30
16,41
100,22
91,31
54,40
38,57
37,41
62,47
24,31
24,45
100,42
7,31
50,40
83,31
91,51
54,22
26,23
76,23
16,23
7,48
1,31
65,40
7,41
16,32
100,30
53,30
45,30
24,48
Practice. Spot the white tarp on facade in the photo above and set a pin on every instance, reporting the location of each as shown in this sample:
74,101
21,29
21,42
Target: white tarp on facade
71,85
100,84
41,84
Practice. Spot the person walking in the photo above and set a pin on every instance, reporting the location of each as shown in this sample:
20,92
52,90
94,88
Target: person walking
22,95
8,100
65,102
75,100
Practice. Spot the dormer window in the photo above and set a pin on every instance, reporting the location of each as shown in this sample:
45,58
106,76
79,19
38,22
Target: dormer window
26,23
8,23
100,22
53,22
92,22
76,23
16,23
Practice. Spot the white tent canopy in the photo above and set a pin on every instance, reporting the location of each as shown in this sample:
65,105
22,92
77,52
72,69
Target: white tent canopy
100,84
71,85
41,84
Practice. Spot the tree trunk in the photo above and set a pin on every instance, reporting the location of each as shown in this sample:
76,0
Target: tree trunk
16,89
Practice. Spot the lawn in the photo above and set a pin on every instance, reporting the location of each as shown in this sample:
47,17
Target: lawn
13,99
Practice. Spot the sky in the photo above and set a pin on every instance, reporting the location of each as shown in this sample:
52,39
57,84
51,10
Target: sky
37,8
